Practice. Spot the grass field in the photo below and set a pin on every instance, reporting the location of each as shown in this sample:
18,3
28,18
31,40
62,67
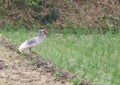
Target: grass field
94,57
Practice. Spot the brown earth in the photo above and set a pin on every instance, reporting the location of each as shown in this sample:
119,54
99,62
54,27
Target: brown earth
15,69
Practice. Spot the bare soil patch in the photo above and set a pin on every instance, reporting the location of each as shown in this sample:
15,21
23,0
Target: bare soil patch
16,71
15,68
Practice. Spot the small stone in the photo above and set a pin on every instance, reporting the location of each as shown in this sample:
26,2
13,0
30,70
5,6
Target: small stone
2,64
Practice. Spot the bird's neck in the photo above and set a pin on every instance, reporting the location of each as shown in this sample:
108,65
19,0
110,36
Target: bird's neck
41,35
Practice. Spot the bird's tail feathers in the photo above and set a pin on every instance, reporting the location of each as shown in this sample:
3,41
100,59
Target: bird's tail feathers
22,47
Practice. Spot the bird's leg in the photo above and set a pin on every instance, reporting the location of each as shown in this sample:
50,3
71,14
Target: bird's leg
32,51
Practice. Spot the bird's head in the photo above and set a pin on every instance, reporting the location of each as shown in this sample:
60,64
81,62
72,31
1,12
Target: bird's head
43,31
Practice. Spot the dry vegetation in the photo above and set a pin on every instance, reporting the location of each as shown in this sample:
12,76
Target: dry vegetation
101,14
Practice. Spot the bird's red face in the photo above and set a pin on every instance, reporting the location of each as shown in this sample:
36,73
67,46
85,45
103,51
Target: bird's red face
44,31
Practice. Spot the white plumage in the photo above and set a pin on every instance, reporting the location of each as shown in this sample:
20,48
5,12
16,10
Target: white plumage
33,41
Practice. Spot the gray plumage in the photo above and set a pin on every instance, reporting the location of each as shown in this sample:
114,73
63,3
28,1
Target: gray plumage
33,41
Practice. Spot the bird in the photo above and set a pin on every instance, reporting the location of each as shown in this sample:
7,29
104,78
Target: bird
33,41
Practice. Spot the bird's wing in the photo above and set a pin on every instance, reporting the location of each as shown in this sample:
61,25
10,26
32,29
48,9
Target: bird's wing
29,42
32,41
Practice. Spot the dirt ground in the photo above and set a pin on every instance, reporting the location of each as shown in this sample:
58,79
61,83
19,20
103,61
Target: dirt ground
15,70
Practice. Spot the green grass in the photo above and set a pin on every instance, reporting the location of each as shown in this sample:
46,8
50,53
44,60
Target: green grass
94,57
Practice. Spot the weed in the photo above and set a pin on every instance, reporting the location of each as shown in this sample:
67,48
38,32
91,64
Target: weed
68,4
75,81
56,74
33,62
50,17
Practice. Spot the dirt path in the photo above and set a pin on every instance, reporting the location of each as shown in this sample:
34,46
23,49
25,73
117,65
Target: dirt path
15,70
